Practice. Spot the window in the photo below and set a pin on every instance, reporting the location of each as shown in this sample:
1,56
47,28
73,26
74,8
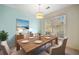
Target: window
59,25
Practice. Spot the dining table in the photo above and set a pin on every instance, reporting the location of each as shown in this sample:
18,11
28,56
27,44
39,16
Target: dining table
33,43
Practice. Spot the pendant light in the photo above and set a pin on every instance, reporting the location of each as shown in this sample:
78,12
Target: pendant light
39,14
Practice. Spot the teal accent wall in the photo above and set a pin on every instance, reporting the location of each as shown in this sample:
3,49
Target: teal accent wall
8,18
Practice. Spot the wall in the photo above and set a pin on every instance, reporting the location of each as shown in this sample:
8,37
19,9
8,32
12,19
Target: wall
72,25
8,18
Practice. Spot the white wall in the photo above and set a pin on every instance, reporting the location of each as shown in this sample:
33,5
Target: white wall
72,24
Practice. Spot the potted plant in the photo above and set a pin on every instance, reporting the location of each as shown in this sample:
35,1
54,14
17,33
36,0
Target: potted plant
3,35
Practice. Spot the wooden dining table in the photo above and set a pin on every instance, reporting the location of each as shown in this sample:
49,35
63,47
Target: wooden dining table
31,45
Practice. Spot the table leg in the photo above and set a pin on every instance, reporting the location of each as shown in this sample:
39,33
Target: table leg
17,46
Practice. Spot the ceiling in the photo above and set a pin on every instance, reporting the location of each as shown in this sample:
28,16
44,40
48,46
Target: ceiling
33,8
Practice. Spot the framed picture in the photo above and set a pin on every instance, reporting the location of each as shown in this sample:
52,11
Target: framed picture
22,25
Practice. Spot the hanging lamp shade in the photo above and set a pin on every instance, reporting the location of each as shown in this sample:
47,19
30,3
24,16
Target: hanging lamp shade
39,14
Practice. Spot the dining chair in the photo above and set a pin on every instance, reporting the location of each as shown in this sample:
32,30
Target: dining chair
3,50
58,49
6,50
18,37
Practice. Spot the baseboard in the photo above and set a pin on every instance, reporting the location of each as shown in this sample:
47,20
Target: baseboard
73,49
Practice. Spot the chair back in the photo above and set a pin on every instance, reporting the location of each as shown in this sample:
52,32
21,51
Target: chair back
64,43
19,37
60,48
63,46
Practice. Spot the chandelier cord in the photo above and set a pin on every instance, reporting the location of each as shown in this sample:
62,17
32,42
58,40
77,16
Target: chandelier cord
39,7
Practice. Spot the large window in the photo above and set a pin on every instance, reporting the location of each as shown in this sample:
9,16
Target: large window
55,25
59,25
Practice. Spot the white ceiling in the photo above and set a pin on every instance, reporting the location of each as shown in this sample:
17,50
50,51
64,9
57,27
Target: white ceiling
33,8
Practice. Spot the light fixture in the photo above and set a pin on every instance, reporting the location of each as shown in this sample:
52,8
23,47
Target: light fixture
39,14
